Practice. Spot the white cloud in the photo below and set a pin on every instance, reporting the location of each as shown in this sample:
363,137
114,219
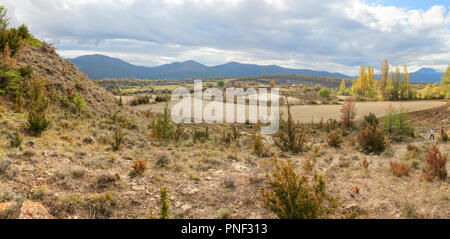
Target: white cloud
322,35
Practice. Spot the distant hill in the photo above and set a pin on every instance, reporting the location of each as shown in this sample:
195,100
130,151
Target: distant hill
101,67
423,75
426,75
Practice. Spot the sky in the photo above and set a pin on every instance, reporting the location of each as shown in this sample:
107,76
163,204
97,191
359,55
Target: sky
331,35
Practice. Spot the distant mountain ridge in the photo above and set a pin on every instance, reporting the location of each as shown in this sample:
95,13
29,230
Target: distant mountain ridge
423,75
101,67
426,75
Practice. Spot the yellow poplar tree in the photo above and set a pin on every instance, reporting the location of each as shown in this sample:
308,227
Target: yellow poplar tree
371,75
354,86
361,81
445,83
405,83
342,87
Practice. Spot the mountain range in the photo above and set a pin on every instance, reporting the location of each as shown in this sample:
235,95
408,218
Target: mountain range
426,75
100,67
423,75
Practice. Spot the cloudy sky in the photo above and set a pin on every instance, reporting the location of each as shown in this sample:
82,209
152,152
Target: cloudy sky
333,35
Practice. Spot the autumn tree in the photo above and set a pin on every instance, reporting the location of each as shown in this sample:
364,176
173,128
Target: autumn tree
343,90
427,92
397,83
365,85
348,113
361,83
384,77
371,77
342,87
392,85
272,83
404,90
445,82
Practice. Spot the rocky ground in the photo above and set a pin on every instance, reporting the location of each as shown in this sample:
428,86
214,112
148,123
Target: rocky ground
75,175
71,170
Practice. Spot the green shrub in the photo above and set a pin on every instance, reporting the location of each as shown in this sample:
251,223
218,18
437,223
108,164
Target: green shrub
291,136
258,146
179,133
78,104
231,134
9,77
9,81
79,85
117,138
139,100
26,71
164,210
161,125
324,93
19,95
293,196
200,133
102,205
16,139
370,119
37,116
37,121
396,125
32,41
162,98
10,38
23,31
27,37
164,203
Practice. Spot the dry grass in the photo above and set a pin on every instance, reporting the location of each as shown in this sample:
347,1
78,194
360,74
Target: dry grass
206,178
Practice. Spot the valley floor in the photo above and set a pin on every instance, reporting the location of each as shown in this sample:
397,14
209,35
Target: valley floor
315,113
